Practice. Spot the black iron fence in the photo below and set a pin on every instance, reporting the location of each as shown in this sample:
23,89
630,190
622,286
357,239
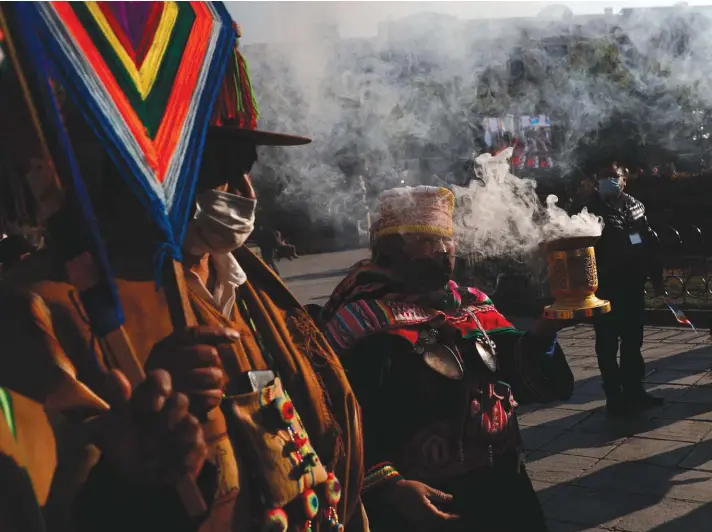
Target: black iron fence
685,252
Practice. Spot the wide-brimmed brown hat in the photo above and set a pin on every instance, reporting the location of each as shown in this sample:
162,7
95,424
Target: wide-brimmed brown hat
257,137
236,111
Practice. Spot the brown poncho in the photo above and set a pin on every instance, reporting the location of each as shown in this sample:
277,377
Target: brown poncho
66,348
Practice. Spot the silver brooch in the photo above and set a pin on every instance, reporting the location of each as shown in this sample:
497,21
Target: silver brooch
439,357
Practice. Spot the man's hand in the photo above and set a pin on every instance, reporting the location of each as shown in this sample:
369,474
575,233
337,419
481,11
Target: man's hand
191,357
242,186
418,503
149,436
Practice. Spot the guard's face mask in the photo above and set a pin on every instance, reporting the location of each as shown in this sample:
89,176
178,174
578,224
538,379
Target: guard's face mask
609,188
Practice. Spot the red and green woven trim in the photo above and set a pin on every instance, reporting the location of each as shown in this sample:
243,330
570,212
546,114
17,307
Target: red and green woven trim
379,475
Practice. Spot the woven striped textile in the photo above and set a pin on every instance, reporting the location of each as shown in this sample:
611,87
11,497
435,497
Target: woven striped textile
359,319
146,76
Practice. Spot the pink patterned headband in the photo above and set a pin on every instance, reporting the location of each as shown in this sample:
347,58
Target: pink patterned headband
419,209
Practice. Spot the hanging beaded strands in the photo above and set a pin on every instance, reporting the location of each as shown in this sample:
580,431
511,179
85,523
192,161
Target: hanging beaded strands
307,468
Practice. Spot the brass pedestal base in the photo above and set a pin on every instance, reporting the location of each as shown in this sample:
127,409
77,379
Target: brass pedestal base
590,308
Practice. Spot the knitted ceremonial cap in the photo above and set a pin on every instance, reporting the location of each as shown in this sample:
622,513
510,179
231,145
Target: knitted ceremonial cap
420,209
236,109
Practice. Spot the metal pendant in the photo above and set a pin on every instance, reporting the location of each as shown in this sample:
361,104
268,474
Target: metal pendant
487,351
443,360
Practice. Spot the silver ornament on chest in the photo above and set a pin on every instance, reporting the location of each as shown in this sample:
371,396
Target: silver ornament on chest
438,356
484,345
487,350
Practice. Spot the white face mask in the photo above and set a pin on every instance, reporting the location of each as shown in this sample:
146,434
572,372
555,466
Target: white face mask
221,224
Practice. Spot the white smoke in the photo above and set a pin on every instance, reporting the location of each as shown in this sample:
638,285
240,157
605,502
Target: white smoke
559,224
499,214
420,91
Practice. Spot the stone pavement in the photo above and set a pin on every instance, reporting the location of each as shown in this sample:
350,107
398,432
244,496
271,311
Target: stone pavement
312,278
649,473
592,473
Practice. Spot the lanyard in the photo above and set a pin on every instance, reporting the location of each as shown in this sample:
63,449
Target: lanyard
473,315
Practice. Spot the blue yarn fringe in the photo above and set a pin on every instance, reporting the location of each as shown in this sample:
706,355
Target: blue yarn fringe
102,305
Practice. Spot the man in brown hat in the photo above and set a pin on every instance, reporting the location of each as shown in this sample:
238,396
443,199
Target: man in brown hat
230,286
436,369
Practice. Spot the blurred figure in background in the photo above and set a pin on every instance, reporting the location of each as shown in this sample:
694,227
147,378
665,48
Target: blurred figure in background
285,250
268,243
584,191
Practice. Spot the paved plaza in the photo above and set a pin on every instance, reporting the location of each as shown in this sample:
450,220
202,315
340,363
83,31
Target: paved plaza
593,473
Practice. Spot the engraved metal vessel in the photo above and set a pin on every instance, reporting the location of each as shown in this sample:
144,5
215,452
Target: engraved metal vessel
573,279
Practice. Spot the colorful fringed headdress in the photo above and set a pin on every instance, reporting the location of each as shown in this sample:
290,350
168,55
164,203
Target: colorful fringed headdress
419,209
143,75
236,111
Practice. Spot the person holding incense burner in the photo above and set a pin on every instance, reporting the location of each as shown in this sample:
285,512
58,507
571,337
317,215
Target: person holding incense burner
626,255
438,372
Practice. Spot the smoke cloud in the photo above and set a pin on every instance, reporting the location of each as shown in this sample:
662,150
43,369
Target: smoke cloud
618,86
499,214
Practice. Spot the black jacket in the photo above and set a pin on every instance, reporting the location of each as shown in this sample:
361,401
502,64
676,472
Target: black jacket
628,250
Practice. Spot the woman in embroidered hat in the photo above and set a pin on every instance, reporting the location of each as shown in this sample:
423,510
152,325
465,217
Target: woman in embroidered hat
436,369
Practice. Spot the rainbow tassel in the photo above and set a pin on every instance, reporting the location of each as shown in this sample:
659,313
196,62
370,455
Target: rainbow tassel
679,314
236,104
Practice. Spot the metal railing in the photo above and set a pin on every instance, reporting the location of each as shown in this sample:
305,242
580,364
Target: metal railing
685,253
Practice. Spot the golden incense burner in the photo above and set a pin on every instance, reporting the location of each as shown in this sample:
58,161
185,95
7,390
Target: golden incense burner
573,279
